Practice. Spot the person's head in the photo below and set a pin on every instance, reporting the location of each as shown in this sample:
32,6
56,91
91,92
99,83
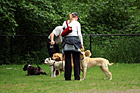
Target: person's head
75,15
70,17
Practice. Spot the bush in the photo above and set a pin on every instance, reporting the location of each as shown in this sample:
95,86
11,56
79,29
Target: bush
29,18
117,49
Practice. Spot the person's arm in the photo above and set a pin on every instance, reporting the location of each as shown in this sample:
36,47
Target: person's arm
52,38
64,25
83,49
55,34
80,36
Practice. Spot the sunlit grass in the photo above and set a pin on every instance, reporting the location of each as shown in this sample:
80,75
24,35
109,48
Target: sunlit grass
126,77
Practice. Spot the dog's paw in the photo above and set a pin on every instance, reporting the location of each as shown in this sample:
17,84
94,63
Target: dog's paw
110,79
82,79
105,78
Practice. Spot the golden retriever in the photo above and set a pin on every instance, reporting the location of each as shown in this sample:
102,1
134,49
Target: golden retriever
87,62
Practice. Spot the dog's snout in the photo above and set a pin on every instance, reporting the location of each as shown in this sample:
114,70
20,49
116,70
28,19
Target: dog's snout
46,61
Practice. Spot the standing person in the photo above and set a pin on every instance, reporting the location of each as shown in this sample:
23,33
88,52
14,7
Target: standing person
72,44
54,39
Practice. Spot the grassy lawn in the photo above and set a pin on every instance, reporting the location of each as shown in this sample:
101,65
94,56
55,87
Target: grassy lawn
126,79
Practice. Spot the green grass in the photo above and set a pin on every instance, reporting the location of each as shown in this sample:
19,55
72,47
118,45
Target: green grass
126,78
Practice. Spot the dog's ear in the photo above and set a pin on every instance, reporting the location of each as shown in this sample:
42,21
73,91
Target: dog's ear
25,67
58,59
61,58
49,58
87,53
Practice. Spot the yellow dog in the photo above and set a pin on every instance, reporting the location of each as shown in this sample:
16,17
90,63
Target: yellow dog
87,62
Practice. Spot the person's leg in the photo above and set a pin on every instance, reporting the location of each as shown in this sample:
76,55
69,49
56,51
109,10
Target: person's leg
76,60
56,50
68,67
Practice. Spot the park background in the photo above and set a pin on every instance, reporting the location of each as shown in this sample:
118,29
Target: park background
110,28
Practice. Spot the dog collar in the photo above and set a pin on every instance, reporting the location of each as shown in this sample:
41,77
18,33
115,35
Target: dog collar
82,58
53,64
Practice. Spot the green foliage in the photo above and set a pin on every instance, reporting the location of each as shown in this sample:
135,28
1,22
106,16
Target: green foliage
7,18
115,16
33,17
97,16
118,49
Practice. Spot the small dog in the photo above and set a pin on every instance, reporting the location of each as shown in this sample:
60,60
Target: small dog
55,65
58,57
33,70
87,62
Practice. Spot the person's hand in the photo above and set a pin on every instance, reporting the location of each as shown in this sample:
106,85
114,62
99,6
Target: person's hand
70,28
52,42
83,49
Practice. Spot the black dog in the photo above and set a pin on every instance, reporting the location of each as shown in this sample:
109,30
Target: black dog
33,70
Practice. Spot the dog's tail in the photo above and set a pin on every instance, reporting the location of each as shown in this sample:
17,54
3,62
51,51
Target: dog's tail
38,67
41,70
110,64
